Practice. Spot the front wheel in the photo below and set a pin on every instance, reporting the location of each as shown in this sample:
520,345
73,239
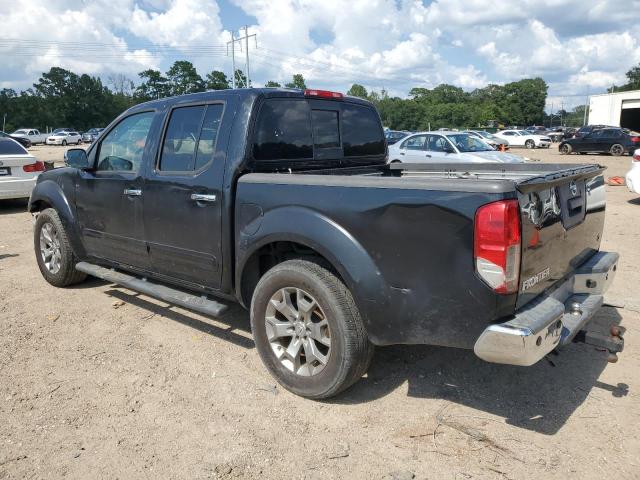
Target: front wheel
308,330
616,150
54,254
530,144
565,149
64,143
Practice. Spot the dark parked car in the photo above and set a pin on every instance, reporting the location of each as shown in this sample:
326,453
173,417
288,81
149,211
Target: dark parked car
25,142
283,201
585,130
393,136
615,141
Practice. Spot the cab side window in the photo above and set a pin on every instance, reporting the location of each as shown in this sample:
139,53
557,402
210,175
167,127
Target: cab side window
123,147
190,138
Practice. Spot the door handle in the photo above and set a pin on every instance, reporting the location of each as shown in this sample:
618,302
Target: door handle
133,192
427,155
198,197
401,153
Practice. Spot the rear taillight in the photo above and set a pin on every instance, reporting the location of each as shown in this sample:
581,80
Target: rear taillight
496,245
636,156
635,139
323,94
34,167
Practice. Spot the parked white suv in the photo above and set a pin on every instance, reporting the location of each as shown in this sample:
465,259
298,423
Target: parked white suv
522,138
447,147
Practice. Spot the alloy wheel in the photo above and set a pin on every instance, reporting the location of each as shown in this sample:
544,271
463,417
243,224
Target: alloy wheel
298,331
50,248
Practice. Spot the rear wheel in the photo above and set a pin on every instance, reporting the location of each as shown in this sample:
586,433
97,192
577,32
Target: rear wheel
64,143
308,330
565,149
530,144
54,254
616,150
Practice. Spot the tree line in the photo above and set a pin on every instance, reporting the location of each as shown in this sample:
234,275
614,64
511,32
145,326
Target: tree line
61,98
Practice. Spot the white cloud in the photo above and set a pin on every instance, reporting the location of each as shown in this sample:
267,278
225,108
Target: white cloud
395,44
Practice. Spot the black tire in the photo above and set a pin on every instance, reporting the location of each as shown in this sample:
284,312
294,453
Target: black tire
350,350
395,161
64,143
616,150
565,148
530,144
67,273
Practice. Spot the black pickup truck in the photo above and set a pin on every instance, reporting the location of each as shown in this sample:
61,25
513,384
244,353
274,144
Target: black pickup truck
283,201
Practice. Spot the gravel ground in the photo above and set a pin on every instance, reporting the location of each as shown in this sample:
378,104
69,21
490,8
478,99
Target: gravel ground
100,382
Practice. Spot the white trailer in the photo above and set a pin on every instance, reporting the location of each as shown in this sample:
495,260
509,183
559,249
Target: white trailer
620,109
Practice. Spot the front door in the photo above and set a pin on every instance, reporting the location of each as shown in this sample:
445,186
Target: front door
109,197
183,196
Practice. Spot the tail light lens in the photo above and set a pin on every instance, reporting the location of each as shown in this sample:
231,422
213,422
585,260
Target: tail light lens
497,245
34,167
635,139
636,156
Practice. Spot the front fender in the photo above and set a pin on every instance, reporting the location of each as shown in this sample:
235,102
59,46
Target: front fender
48,193
320,233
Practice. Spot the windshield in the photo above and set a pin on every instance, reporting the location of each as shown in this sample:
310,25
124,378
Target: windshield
523,132
468,143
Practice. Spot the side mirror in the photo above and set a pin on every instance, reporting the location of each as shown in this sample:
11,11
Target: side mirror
77,158
448,148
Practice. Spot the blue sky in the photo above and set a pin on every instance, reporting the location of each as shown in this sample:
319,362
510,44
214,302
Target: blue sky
577,46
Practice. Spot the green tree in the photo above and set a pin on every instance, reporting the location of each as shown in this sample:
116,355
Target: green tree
297,82
153,86
183,78
272,84
633,77
358,90
241,79
216,80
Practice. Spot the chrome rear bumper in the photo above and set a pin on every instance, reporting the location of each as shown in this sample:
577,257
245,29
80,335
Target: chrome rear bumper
552,320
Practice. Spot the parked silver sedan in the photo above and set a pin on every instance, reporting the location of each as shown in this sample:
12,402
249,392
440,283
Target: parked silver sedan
447,147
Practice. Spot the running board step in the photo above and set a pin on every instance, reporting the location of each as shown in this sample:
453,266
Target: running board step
199,304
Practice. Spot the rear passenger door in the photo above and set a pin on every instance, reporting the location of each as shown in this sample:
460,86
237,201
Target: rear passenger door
414,149
183,195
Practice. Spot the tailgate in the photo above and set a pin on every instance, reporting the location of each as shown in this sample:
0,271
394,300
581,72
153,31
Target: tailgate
562,217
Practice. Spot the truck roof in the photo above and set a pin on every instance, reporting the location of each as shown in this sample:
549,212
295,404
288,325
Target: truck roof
243,93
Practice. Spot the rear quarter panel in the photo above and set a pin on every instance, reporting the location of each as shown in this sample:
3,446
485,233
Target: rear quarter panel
405,253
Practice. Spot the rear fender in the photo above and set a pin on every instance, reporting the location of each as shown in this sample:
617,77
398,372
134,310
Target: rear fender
47,194
318,232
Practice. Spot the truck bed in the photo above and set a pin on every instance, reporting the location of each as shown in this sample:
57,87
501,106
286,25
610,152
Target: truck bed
413,225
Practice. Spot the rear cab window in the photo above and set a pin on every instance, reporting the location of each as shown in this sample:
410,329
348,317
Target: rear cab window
299,131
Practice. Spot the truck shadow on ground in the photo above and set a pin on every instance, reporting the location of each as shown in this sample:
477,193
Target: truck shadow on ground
235,319
8,207
539,398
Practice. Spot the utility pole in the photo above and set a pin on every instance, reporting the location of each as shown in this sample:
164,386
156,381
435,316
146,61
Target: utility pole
551,116
4,119
233,58
586,105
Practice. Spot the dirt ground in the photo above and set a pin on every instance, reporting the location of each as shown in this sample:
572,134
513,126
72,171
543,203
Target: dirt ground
99,382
